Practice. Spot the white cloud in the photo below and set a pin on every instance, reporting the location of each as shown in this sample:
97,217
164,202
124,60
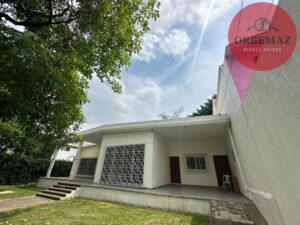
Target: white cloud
189,12
175,43
140,98
144,97
150,46
164,39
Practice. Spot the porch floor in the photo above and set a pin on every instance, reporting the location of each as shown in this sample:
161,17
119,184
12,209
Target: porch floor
183,191
199,192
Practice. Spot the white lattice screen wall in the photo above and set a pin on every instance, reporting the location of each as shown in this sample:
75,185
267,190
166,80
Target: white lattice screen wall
124,165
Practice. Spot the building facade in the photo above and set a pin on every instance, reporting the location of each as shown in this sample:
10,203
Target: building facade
265,129
254,135
155,153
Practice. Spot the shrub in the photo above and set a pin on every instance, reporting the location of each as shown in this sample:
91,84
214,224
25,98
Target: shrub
61,169
16,169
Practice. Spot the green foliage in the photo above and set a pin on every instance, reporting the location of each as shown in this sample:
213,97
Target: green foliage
14,139
61,168
90,36
44,71
205,109
16,169
38,93
11,136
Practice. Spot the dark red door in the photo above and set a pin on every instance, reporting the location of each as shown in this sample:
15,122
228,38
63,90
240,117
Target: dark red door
222,167
175,170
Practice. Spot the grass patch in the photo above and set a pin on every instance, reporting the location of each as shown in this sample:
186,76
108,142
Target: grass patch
83,211
18,191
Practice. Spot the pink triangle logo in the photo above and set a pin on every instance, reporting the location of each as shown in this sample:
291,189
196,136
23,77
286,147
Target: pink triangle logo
241,74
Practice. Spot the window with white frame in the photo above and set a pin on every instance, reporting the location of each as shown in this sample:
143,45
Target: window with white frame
196,162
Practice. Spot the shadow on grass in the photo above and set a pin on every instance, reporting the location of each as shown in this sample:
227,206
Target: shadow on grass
12,213
200,220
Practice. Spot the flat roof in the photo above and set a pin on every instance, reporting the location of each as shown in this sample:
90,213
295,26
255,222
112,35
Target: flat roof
200,126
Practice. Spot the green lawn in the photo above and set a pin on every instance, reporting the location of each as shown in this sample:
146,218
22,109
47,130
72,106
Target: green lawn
82,211
19,191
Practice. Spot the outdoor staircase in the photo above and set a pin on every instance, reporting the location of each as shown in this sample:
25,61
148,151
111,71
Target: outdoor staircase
59,191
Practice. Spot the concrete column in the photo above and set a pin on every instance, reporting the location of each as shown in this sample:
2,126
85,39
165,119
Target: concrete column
52,162
76,161
99,165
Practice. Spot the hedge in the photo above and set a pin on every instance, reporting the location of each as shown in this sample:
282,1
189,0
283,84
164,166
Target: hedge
16,169
61,169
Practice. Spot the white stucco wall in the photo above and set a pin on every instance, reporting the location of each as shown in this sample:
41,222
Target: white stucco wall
233,158
157,157
90,152
206,147
265,128
161,162
160,201
129,138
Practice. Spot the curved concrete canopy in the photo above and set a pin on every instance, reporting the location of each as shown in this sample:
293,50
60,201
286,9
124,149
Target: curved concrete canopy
201,127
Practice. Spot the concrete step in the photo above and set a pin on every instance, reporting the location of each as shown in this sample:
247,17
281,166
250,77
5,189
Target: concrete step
61,194
65,187
44,195
60,190
68,184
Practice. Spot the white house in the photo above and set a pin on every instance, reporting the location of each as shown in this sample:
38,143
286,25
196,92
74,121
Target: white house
145,158
151,154
189,151
255,138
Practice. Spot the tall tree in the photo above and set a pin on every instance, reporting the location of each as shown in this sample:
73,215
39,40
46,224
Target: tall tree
176,114
205,109
92,36
39,93
44,69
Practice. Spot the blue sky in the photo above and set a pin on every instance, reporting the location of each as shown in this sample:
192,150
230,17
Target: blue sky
175,68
